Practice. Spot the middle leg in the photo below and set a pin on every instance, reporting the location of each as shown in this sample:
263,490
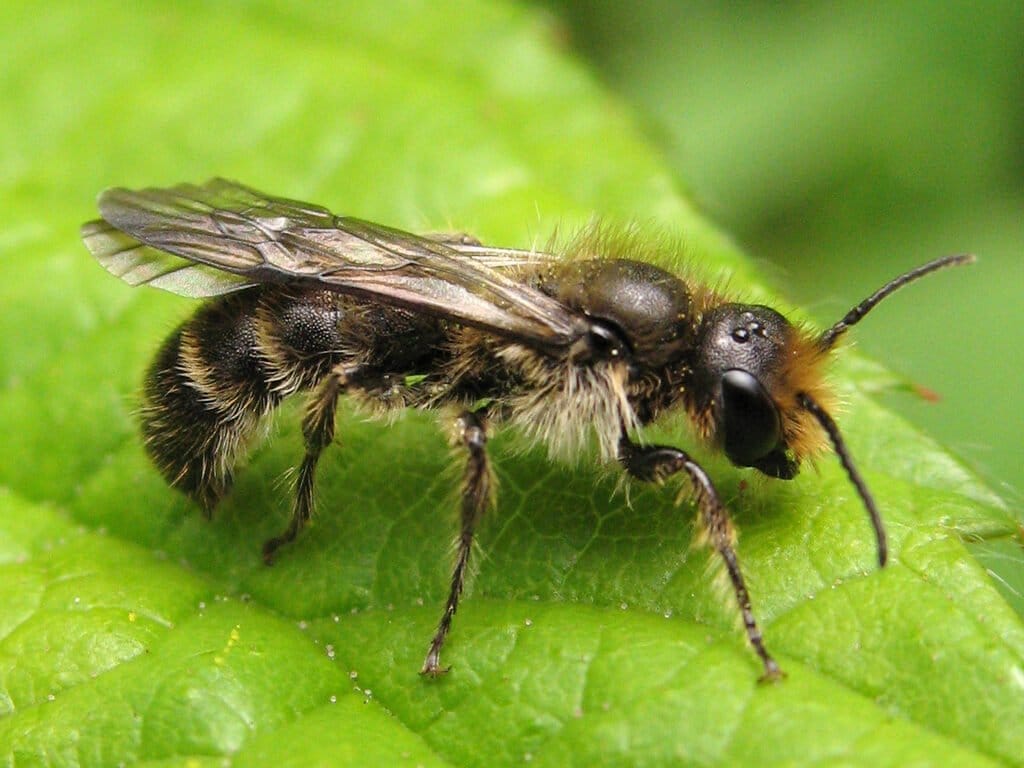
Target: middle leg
476,494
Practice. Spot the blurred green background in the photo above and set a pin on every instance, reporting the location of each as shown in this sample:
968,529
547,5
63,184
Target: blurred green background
841,143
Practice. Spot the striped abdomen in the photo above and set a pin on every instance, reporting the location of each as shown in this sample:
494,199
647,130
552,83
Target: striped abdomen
223,370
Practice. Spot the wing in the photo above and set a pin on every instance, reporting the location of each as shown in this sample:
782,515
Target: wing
138,264
506,259
221,236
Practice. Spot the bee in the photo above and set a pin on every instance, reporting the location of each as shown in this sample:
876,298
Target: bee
586,347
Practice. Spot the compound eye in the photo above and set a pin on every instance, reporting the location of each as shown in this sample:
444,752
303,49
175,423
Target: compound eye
752,424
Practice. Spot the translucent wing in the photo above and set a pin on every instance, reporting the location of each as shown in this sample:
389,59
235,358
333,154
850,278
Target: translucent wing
138,264
221,236
506,259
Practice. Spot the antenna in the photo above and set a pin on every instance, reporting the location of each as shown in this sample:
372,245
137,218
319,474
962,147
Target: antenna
829,425
855,315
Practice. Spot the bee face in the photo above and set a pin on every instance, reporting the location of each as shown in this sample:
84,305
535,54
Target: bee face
741,360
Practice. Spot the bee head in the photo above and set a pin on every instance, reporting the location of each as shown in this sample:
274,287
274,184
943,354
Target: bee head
751,363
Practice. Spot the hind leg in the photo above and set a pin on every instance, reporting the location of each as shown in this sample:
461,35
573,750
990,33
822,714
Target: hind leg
318,432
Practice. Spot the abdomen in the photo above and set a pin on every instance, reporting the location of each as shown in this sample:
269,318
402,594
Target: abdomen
223,370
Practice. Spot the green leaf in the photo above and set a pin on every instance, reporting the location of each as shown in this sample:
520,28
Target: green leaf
134,631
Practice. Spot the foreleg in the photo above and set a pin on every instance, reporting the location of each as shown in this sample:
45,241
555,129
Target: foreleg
655,463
